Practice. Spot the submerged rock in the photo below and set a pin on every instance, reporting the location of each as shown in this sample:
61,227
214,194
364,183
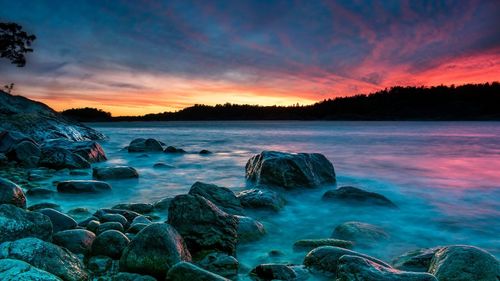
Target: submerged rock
14,270
290,170
113,173
110,243
325,259
161,165
46,256
145,145
309,244
16,223
249,229
154,251
187,271
172,149
274,271
221,264
350,194
78,241
355,268
59,220
203,225
205,152
44,205
463,263
359,232
416,260
222,197
60,158
261,199
82,186
11,193
40,192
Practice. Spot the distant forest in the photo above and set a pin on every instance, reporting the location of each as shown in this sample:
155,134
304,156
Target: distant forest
466,102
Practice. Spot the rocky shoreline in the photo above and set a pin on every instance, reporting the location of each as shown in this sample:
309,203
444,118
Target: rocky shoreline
203,228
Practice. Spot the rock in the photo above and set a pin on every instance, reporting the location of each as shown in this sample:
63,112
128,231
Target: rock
136,228
45,256
89,150
325,259
110,243
249,229
26,153
290,170
221,264
114,218
3,159
44,205
357,196
416,260
359,232
9,139
273,271
355,268
99,265
16,223
203,225
141,208
11,193
59,220
110,226
40,192
39,121
461,263
79,212
116,172
82,186
205,152
161,165
78,241
154,250
171,149
59,158
93,226
78,173
145,145
163,204
261,199
141,219
15,270
187,271
222,197
309,244
124,276
129,215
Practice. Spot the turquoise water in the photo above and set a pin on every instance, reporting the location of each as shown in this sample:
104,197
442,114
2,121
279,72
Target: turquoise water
444,176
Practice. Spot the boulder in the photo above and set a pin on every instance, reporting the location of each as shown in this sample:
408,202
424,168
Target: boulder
172,149
82,186
136,228
59,220
144,145
461,263
261,199
45,256
141,219
309,244
9,139
16,223
221,264
203,225
355,268
114,218
141,208
89,150
359,232
154,251
92,226
416,260
222,197
11,193
15,270
113,173
325,259
187,271
59,158
163,204
357,196
290,170
110,243
100,265
274,271
129,215
110,226
26,153
78,241
249,229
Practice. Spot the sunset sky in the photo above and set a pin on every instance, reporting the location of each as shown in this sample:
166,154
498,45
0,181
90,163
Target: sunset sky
137,57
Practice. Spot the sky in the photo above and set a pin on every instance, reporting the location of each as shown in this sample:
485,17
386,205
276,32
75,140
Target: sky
136,57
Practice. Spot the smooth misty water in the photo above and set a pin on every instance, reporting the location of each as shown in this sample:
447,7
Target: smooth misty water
445,176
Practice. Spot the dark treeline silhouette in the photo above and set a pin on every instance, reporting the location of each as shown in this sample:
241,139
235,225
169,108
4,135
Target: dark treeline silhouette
466,102
87,114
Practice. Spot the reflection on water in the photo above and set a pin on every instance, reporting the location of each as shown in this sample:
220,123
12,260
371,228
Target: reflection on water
444,176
